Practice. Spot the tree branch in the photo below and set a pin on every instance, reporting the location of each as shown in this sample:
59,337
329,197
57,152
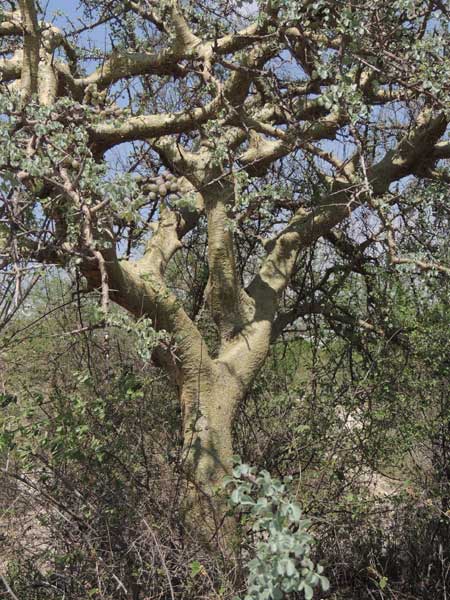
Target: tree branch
304,230
31,44
11,25
224,292
247,351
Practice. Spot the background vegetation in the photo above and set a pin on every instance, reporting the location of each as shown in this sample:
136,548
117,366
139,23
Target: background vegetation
91,453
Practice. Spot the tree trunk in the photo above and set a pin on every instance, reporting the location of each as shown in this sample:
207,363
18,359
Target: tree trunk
208,402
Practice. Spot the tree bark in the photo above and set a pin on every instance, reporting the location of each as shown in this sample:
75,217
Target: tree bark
209,399
209,390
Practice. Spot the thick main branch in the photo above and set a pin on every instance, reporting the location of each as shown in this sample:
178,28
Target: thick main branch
31,43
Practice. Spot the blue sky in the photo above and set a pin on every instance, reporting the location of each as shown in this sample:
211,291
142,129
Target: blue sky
67,14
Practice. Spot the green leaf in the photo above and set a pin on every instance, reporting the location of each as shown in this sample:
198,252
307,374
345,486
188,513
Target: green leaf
290,568
235,496
295,510
324,582
309,593
196,568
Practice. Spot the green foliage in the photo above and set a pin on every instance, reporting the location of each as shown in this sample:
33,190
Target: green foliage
145,337
60,136
92,438
282,543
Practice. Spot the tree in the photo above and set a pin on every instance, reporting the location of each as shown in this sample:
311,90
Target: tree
295,140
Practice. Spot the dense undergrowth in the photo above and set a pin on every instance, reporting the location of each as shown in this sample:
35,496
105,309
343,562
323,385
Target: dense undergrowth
92,464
